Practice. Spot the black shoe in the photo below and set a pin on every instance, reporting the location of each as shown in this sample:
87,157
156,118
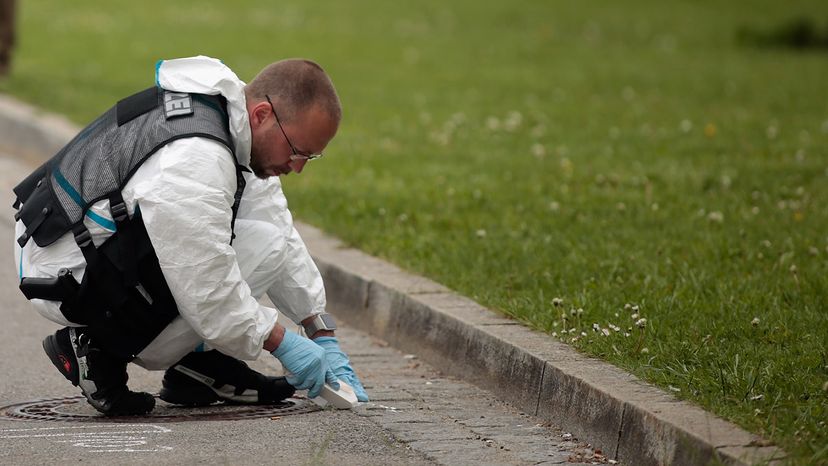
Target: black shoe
101,377
203,378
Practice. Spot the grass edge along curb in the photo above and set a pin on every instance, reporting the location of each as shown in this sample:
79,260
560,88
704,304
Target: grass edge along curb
628,419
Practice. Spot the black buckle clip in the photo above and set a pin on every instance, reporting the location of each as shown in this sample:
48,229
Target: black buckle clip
83,238
119,212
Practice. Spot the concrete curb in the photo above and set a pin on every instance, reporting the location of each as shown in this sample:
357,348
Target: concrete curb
31,133
631,421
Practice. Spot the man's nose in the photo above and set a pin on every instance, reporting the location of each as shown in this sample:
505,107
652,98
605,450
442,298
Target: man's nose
297,165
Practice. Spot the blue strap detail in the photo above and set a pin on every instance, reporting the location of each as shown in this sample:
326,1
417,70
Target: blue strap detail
68,188
103,222
20,269
157,69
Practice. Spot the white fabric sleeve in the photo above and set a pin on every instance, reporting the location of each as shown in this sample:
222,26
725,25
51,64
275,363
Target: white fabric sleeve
185,193
297,289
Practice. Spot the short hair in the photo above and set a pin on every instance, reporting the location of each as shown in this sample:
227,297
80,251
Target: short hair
297,85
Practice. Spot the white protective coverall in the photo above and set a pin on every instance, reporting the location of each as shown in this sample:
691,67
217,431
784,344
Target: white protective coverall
185,193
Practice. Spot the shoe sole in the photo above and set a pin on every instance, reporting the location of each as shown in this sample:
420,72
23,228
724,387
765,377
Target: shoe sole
204,397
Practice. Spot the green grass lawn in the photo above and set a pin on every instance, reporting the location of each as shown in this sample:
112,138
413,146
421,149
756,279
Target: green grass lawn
622,157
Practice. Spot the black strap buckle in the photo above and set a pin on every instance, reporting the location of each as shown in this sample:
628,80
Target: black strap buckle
83,238
119,211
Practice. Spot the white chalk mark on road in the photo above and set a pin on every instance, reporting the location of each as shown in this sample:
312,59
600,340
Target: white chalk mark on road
98,438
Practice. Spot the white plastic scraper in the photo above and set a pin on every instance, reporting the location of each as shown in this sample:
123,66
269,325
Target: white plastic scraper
344,398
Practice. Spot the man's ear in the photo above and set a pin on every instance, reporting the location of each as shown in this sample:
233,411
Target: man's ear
259,114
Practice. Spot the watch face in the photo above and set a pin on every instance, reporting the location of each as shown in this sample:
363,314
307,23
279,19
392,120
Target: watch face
329,322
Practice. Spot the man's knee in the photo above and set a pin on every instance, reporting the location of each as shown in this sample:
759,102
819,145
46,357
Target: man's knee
173,343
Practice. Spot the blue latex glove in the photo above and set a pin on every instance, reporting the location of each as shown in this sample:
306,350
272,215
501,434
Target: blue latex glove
306,364
341,366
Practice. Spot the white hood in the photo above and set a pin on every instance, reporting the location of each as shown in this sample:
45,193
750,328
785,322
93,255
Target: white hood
205,75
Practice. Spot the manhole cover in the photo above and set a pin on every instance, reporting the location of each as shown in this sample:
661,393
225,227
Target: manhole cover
76,409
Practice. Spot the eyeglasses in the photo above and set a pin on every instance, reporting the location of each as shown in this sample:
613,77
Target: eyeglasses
296,155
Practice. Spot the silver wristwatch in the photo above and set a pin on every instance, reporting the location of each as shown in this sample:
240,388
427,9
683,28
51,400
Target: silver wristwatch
320,322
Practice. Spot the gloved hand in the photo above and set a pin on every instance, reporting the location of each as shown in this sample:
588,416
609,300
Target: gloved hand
341,366
306,364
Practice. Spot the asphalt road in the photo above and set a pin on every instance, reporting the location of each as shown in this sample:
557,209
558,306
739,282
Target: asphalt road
416,415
